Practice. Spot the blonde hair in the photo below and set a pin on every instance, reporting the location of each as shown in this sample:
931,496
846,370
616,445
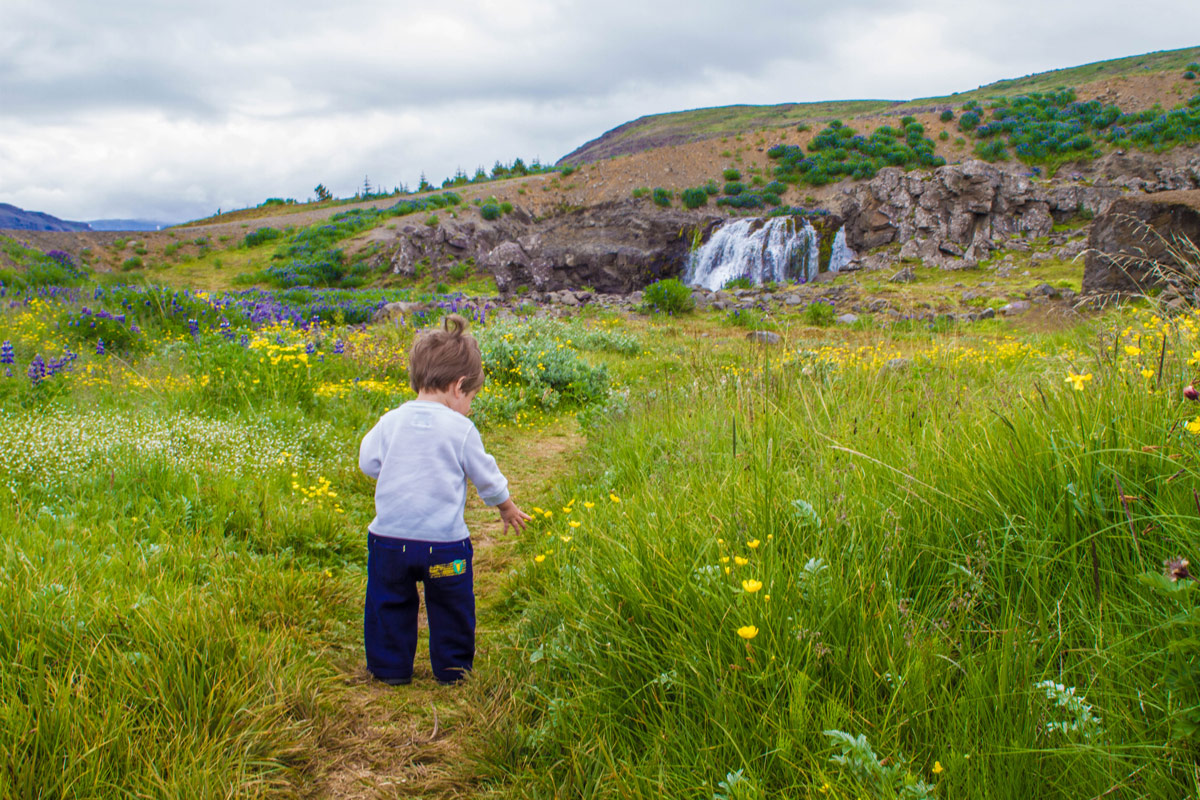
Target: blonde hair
440,357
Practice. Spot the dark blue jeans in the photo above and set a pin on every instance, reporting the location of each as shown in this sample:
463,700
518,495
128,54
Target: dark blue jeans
394,567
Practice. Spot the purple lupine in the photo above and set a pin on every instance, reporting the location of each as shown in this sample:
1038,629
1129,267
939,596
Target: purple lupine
194,327
7,355
310,348
339,347
37,370
100,347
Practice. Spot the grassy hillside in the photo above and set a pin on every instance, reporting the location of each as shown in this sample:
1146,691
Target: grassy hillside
658,130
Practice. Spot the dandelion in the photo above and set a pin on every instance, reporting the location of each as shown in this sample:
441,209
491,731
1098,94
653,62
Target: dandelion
752,544
751,586
741,562
747,632
937,768
1077,381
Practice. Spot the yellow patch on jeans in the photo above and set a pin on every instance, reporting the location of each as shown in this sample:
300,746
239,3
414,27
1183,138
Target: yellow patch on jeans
448,570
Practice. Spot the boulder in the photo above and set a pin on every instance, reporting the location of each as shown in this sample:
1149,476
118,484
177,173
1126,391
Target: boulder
1133,245
764,337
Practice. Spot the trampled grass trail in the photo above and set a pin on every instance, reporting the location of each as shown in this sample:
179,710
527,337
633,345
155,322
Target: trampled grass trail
423,740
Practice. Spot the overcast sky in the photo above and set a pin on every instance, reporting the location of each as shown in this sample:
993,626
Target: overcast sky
171,110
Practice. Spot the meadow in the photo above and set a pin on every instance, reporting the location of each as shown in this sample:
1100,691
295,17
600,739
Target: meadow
873,562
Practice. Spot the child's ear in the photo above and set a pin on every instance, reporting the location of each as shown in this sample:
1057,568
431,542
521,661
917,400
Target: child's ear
458,386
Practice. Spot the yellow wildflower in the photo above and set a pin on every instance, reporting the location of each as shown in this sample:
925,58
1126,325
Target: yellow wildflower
574,523
741,562
937,768
588,504
539,558
747,632
1130,350
751,586
752,544
1077,381
613,497
1194,426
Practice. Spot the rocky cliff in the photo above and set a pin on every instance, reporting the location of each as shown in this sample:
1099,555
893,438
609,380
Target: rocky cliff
953,216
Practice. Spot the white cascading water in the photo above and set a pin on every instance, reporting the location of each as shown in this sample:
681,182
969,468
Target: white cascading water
780,249
840,254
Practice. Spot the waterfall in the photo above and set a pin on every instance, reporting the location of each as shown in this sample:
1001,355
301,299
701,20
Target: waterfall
780,249
840,254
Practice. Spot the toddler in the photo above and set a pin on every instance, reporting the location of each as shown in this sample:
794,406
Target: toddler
422,454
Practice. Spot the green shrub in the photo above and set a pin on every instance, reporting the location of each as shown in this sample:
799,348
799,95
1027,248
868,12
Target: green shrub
741,282
946,115
734,188
750,318
944,136
711,189
731,174
694,198
134,262
458,272
662,197
669,296
819,312
506,207
490,211
1189,75
640,192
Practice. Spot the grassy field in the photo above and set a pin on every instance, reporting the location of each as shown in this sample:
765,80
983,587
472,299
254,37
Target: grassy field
874,562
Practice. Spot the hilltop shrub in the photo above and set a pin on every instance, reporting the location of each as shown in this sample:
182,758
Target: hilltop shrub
946,115
731,174
490,211
669,296
968,121
662,197
734,188
694,198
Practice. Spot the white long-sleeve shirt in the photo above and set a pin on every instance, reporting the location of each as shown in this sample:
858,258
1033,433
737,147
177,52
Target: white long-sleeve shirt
422,454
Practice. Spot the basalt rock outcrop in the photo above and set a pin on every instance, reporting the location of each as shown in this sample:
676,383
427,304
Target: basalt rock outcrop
956,215
614,247
1135,234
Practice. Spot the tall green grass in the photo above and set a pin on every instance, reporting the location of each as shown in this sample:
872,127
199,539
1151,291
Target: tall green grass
937,538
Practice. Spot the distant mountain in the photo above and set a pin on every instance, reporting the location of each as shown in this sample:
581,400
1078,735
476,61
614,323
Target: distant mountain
128,224
13,218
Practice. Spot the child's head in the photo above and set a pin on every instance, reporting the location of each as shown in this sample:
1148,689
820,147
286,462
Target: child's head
439,358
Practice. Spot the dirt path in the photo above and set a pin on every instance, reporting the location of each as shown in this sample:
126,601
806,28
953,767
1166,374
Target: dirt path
420,741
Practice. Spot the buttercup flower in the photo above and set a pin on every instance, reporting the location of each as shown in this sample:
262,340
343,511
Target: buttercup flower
614,498
1077,381
1194,426
751,586
741,562
747,632
539,558
752,544
937,768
